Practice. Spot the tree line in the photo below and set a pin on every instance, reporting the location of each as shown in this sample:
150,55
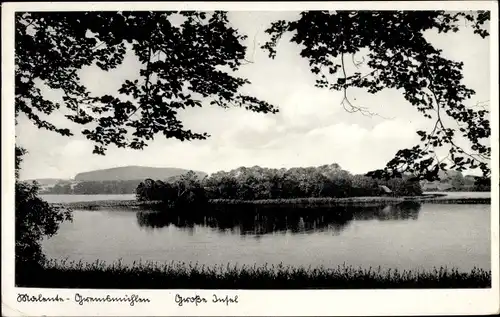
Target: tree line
95,188
456,181
262,183
257,183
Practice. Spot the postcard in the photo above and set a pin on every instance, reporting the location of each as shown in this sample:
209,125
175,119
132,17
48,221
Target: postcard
239,158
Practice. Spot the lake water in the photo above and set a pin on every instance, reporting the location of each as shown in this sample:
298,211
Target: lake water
406,237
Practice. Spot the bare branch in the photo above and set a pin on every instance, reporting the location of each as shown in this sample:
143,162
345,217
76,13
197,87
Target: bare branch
346,103
146,85
253,52
441,125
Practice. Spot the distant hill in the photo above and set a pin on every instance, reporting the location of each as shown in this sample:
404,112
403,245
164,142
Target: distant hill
126,173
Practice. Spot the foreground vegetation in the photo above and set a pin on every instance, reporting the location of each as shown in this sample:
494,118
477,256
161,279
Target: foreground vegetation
151,275
34,219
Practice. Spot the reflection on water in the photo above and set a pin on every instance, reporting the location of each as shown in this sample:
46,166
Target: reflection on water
403,211
279,220
405,236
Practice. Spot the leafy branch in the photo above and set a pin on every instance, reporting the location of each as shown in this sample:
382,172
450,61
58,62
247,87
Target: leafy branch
400,58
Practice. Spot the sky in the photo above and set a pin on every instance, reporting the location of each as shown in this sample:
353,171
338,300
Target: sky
311,129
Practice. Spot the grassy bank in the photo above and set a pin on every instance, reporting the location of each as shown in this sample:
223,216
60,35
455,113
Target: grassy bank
298,202
175,275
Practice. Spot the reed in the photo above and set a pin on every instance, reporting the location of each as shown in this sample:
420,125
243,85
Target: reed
360,201
175,275
108,204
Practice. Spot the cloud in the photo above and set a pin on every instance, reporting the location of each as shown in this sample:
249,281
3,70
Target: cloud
394,129
307,107
76,148
340,134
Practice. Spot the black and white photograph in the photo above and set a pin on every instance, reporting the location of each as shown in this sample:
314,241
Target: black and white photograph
197,156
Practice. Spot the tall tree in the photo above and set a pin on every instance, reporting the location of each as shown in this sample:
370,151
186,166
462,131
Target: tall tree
399,56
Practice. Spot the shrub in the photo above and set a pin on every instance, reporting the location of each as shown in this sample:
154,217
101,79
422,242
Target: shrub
34,220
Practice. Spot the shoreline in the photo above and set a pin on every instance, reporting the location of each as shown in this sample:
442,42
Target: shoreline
298,202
